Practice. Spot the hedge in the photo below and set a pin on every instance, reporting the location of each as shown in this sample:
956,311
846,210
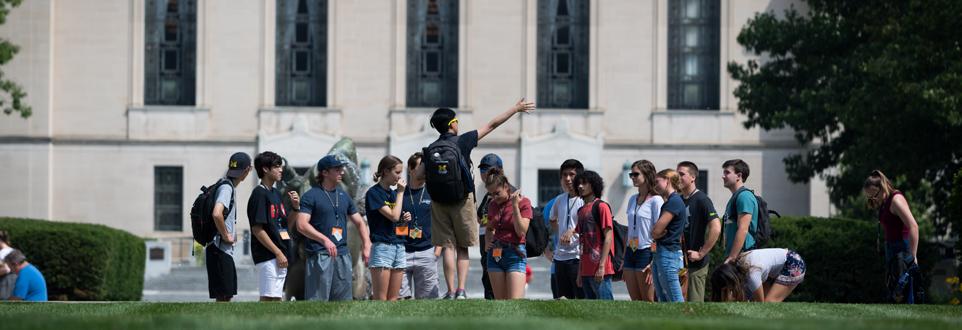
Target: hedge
842,261
81,261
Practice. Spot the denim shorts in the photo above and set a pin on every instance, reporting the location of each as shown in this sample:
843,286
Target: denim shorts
384,255
512,258
637,260
794,270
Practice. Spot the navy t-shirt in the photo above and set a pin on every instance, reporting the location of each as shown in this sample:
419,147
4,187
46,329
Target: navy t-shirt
382,228
672,239
418,202
328,209
265,208
466,143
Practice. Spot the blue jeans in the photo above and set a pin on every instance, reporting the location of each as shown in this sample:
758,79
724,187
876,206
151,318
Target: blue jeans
597,290
666,266
512,259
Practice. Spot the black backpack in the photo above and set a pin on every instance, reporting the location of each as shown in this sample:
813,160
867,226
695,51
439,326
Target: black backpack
201,213
763,233
620,233
536,239
444,168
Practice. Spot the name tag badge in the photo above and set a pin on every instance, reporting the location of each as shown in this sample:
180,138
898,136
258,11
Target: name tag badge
484,220
633,243
401,230
496,253
338,233
415,233
284,234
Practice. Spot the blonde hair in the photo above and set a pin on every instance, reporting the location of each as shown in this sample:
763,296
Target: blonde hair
878,180
672,177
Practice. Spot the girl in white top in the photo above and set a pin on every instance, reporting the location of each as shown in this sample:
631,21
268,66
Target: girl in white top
763,275
643,210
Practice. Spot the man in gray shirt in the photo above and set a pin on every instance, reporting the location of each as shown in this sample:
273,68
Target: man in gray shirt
221,272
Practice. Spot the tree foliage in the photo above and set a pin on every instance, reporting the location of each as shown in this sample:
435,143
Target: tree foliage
12,96
871,84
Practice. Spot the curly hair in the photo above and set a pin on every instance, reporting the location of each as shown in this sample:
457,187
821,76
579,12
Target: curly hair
593,179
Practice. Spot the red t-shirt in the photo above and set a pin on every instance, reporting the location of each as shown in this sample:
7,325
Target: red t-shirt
590,233
501,218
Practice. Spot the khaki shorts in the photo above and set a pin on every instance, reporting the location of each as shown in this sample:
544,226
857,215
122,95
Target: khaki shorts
454,224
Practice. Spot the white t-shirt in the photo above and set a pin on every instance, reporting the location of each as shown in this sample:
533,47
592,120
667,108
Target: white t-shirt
4,252
642,218
566,209
763,264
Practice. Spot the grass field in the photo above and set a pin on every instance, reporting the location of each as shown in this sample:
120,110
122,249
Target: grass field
475,314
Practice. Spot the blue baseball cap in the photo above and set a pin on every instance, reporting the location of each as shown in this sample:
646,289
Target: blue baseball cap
329,161
488,161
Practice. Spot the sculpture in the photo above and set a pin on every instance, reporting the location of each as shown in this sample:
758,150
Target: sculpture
352,184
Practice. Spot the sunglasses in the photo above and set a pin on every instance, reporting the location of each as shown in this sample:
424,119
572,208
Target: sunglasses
634,174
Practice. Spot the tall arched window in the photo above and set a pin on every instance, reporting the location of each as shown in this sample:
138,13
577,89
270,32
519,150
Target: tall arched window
170,56
432,53
301,62
693,54
563,53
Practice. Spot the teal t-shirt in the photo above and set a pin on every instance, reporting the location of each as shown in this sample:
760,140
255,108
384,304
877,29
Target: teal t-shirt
745,202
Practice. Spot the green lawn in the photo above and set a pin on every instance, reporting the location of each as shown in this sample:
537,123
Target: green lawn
475,314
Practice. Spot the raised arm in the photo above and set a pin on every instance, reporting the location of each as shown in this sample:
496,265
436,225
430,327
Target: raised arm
521,106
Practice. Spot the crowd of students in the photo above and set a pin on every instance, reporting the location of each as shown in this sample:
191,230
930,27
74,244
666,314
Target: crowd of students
671,229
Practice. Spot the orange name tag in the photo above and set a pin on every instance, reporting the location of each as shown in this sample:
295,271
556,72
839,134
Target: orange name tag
401,230
285,235
338,233
496,253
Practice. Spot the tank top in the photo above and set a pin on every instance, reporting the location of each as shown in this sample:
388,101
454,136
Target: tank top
894,229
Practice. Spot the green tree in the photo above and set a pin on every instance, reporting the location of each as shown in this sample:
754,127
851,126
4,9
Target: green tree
871,84
11,94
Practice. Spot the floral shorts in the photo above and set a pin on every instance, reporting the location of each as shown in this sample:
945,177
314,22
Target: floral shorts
794,270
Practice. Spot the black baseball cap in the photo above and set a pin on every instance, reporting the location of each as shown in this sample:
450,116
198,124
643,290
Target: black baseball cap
239,162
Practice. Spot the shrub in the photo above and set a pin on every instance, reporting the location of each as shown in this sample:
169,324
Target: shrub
843,260
81,261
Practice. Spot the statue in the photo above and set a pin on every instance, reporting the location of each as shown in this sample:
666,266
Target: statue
351,183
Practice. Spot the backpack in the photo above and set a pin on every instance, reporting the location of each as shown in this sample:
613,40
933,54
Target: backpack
763,233
536,239
444,169
201,213
620,233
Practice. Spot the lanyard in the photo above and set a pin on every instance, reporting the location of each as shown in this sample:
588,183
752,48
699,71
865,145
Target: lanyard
571,205
415,206
334,203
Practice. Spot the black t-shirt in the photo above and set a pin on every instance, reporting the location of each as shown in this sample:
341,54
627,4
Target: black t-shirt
466,143
700,212
266,209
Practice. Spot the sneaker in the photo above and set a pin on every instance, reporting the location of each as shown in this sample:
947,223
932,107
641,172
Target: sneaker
460,294
448,296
